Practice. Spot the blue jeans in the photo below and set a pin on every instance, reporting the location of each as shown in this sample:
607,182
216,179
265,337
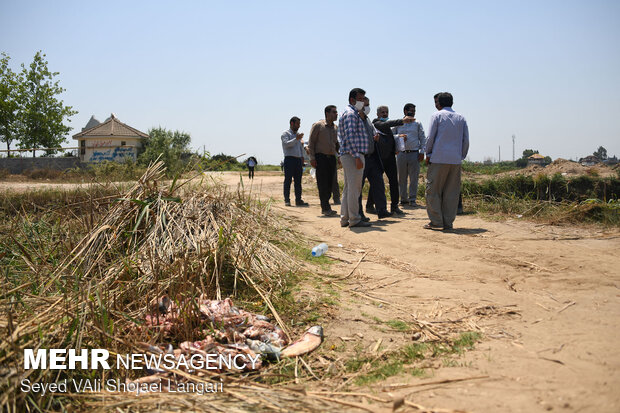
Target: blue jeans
293,168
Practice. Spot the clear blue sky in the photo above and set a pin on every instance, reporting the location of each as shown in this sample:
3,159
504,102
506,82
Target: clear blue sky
232,73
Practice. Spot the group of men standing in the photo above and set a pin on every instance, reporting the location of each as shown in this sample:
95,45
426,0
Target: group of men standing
367,149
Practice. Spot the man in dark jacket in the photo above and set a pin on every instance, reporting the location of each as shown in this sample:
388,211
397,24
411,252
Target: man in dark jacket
387,150
373,171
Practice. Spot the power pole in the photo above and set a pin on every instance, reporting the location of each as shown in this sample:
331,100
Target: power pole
499,150
513,147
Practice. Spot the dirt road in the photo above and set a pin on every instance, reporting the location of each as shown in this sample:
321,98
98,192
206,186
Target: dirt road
546,299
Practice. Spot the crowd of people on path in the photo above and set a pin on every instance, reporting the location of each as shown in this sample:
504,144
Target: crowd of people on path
367,150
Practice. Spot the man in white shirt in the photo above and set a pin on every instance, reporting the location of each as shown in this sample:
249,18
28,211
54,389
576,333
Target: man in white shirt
293,148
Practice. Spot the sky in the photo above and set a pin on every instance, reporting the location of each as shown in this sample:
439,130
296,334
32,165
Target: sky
232,74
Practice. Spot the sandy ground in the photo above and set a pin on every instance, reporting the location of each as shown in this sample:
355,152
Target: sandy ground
546,298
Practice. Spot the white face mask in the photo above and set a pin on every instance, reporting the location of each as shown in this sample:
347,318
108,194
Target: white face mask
367,110
359,104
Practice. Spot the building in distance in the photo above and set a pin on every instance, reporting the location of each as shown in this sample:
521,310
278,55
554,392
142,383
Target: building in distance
111,140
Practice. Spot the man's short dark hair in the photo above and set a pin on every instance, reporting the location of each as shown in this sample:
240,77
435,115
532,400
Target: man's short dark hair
445,100
294,119
408,106
329,108
357,91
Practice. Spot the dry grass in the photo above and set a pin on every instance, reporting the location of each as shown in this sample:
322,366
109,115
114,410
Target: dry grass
183,241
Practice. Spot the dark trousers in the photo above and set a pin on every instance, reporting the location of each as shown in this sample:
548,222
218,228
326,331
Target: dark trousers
325,167
251,172
391,171
293,167
374,173
335,186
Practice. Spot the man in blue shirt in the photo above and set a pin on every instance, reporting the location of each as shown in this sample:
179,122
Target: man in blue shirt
446,147
353,139
409,156
293,148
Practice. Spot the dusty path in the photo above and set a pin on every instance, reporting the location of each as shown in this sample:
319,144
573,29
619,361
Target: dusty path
546,298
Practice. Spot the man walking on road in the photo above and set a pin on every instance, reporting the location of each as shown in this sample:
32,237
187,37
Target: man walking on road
293,148
323,147
446,147
353,147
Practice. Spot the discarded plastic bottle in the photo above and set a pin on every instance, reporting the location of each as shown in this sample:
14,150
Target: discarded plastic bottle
319,250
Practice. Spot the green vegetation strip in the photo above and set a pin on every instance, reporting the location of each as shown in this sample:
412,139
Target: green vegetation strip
407,359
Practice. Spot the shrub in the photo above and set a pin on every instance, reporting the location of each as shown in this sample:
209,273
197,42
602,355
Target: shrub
42,173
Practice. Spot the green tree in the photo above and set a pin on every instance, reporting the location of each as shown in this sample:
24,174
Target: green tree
601,153
521,162
42,114
9,102
171,146
222,162
528,152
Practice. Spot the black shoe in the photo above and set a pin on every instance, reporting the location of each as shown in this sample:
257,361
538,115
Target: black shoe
329,213
301,203
431,226
397,211
365,218
371,209
362,224
344,224
404,203
287,203
384,214
337,202
459,211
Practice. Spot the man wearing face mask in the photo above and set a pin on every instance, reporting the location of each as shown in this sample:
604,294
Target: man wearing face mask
373,170
387,150
293,148
408,160
353,140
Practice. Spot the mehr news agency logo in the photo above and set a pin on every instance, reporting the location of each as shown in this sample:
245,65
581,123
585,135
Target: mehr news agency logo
93,359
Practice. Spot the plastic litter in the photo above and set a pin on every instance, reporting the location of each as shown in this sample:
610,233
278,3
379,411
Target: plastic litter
400,143
319,250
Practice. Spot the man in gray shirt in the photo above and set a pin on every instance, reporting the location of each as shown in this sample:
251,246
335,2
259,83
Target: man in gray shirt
446,147
408,158
293,148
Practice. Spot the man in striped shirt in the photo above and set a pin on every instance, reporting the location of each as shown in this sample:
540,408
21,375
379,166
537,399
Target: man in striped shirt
353,139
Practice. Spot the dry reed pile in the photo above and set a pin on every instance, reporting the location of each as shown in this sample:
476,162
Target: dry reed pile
184,241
